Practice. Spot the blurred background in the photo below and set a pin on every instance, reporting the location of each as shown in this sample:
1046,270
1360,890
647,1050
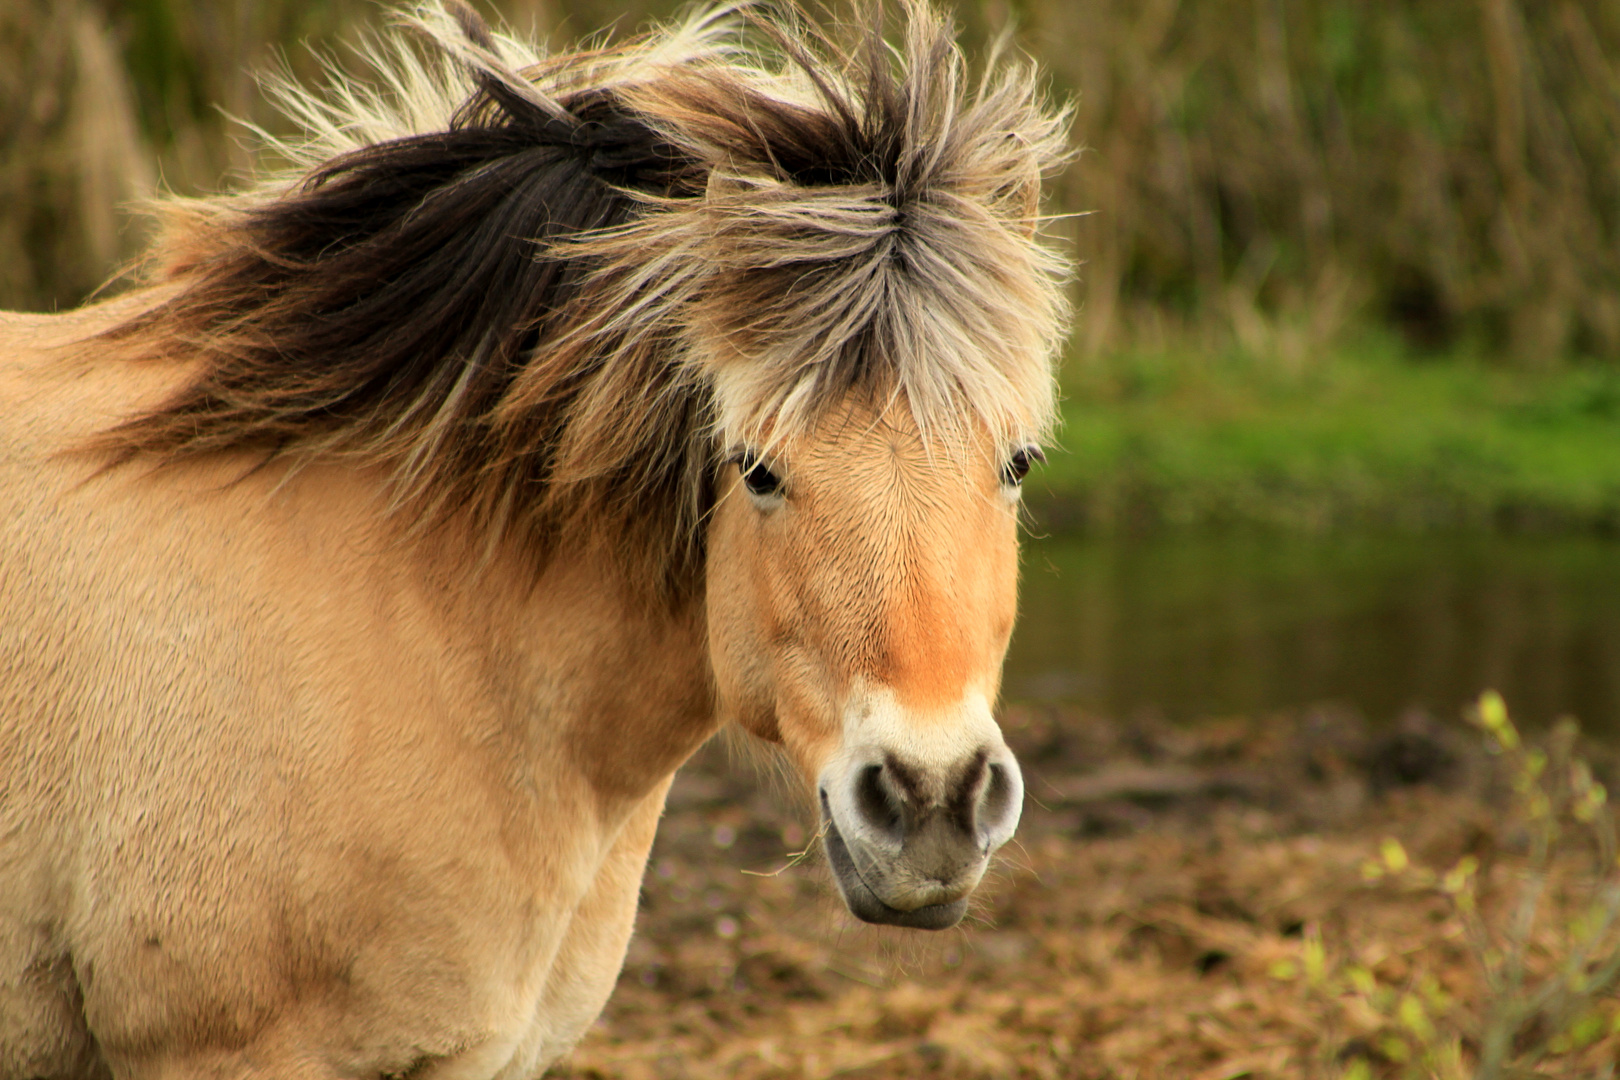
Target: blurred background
1342,403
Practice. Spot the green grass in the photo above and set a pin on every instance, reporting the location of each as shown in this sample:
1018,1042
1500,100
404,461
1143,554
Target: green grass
1361,436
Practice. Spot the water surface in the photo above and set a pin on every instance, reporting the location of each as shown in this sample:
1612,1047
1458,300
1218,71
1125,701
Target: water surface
1198,625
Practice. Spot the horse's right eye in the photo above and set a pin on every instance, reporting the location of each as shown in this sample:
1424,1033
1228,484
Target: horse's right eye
759,480
1017,466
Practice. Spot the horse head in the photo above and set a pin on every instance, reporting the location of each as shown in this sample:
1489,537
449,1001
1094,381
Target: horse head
862,589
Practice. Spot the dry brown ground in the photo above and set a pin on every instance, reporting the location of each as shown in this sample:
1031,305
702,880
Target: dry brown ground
1153,920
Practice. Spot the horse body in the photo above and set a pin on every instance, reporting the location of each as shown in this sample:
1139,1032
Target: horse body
274,779
367,574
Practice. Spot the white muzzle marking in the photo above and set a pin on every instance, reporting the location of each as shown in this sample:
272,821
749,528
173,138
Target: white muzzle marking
915,804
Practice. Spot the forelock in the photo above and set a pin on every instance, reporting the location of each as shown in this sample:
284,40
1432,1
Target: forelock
868,218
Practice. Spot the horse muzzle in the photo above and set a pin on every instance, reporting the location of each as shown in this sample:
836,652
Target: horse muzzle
907,843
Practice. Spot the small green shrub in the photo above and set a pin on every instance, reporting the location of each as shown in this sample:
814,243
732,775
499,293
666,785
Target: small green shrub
1542,928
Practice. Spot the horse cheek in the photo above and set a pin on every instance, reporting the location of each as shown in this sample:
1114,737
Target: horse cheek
738,648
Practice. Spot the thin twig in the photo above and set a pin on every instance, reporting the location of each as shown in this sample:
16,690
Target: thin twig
794,857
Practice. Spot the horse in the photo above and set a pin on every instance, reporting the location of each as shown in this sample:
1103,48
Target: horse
371,564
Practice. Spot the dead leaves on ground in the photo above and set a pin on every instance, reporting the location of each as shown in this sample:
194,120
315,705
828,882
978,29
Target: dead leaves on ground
1213,925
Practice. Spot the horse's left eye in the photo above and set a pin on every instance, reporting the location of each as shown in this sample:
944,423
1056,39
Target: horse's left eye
757,478
1017,467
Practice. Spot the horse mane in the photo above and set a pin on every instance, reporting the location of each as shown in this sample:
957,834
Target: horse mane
553,291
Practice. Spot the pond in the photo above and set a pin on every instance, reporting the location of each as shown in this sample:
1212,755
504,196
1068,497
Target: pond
1196,625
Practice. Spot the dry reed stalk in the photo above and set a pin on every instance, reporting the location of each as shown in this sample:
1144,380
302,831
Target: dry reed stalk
1281,171
74,153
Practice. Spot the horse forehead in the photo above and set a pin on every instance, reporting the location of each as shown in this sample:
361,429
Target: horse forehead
908,529
890,469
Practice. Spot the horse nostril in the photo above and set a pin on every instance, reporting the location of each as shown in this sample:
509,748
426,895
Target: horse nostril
996,800
873,801
928,815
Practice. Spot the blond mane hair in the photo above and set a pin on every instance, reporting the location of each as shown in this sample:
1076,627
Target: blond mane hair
553,291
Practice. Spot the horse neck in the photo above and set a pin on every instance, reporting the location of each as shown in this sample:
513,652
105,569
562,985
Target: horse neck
600,680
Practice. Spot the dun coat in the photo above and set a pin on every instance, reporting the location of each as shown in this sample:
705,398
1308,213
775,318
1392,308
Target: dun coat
368,570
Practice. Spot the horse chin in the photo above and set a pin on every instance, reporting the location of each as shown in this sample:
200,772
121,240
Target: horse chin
864,904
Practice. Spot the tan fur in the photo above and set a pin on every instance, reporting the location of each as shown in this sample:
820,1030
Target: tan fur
302,778
276,785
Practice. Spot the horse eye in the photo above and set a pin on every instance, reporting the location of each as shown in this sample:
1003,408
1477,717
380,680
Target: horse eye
759,480
1017,467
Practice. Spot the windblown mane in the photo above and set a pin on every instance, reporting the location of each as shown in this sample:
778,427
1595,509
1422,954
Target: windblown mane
551,291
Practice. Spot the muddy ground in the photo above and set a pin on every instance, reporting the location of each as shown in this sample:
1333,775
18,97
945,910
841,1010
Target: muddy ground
1154,918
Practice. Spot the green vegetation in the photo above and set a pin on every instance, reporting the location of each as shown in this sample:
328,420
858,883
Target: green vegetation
1544,942
1360,436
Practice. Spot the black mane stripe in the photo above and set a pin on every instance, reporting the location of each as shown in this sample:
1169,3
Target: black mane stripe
529,308
386,262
